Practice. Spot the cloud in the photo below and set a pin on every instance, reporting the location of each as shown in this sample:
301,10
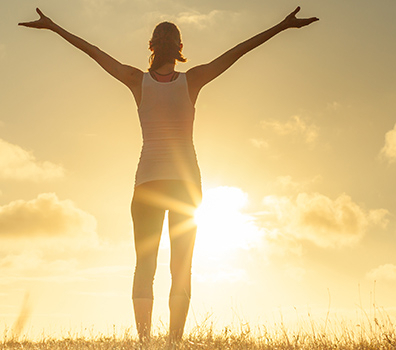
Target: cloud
18,262
385,272
39,265
319,219
259,143
335,106
44,239
44,216
100,7
194,18
330,222
295,126
388,152
19,164
287,184
198,19
34,265
378,217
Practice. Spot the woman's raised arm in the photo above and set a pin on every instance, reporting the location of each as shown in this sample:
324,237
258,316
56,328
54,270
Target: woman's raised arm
128,75
201,75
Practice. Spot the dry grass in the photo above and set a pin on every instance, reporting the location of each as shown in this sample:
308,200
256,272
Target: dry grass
331,335
375,332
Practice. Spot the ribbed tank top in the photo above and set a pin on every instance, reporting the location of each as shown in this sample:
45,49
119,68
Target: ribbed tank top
166,116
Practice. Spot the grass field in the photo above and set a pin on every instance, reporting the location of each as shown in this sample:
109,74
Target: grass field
374,333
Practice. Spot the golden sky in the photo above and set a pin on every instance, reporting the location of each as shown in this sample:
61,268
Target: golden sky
296,144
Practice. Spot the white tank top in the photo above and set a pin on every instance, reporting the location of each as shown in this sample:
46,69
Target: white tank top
166,116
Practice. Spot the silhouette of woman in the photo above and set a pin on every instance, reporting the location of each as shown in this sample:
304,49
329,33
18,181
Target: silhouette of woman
168,177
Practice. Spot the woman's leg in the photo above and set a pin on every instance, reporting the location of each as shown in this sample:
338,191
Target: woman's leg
182,230
147,226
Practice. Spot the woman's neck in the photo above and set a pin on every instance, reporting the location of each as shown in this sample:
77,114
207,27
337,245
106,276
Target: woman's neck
166,69
164,78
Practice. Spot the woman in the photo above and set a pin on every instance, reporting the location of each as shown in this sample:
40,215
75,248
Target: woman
168,177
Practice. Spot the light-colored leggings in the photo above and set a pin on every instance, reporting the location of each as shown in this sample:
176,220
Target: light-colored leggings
149,203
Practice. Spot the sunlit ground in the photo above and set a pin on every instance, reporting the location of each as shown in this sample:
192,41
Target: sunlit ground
371,333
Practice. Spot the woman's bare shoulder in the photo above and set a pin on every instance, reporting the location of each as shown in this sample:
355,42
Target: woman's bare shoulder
134,76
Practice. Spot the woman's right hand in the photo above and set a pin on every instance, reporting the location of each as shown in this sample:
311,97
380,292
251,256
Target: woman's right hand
43,22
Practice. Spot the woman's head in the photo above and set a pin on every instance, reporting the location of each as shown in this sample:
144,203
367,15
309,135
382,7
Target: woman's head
165,45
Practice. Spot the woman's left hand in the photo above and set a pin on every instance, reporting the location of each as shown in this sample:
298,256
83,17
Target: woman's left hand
291,21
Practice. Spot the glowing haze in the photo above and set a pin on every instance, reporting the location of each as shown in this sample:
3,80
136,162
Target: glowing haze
296,143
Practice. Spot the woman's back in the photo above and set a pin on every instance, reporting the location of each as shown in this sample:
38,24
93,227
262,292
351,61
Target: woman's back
166,116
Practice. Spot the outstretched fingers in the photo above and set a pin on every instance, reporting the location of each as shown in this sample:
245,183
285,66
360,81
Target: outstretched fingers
24,24
292,21
42,22
39,12
297,10
311,20
32,24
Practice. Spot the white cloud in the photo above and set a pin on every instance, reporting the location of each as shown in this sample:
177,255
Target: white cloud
259,143
385,272
378,217
319,219
19,164
294,126
198,19
44,216
388,152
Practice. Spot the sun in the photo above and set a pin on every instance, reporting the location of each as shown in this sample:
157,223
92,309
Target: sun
223,227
